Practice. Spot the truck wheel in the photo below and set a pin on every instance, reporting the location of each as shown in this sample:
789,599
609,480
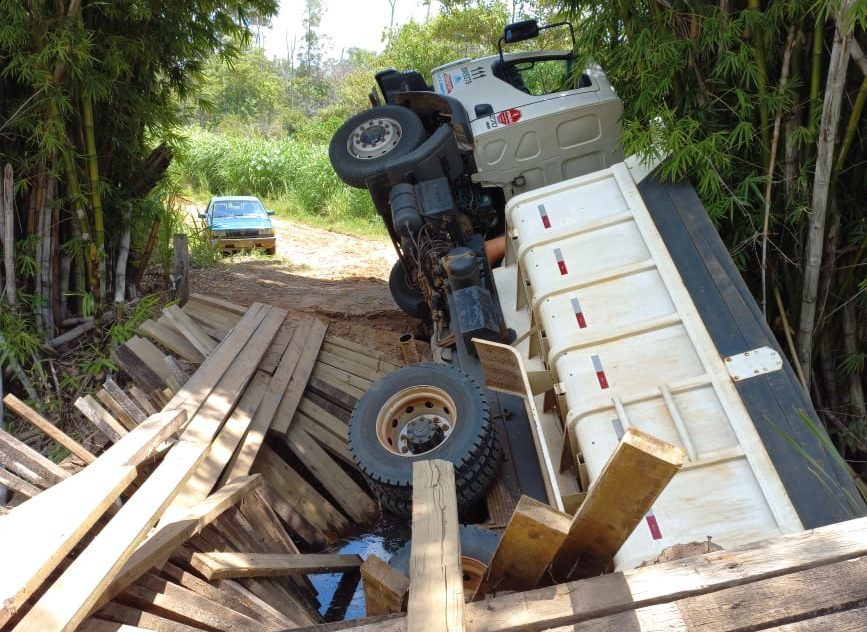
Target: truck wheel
477,550
407,296
419,412
365,143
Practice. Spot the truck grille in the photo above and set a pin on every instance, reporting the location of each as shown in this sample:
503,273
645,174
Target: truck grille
246,232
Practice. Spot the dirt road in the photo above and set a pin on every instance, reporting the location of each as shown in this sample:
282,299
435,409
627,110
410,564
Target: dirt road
339,278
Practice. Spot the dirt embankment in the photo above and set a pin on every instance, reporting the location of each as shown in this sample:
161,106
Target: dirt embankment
339,278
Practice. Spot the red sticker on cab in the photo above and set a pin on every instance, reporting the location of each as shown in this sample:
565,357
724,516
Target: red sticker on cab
510,116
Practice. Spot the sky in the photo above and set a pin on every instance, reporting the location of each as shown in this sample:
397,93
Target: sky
347,24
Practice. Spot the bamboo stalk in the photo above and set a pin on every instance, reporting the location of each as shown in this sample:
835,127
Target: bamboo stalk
8,211
762,84
95,197
146,255
816,69
775,142
821,189
120,269
851,128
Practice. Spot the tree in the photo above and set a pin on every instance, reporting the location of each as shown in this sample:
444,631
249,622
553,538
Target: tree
737,102
88,112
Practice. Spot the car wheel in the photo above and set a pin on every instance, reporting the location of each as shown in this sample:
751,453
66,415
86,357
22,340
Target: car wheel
365,143
478,546
406,295
419,412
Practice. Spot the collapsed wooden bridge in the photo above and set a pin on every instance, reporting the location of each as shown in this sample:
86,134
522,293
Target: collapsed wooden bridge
228,451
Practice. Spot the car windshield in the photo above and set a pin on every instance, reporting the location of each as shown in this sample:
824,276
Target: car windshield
237,208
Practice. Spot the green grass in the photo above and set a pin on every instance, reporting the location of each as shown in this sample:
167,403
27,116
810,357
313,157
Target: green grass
292,176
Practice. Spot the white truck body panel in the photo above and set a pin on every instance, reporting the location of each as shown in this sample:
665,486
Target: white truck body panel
529,140
587,266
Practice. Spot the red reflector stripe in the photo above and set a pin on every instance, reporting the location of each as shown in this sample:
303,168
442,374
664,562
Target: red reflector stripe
600,372
546,221
579,314
561,263
653,525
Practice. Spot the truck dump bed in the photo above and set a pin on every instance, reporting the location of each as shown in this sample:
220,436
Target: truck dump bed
640,314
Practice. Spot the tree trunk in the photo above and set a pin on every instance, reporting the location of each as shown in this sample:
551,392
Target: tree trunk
834,90
850,348
7,208
120,270
95,197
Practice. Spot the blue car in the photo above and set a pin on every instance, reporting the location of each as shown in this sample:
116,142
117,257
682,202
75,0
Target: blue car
239,222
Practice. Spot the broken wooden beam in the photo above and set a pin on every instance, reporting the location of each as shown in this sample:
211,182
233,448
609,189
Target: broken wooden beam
311,344
100,417
436,596
385,588
532,537
634,476
228,565
33,541
31,416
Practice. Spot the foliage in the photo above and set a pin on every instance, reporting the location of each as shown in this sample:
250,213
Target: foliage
719,89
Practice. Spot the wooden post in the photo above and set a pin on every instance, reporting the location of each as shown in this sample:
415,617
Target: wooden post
534,534
181,267
635,475
436,598
385,589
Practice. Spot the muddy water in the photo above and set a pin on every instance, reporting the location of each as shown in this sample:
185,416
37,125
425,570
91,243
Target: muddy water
341,595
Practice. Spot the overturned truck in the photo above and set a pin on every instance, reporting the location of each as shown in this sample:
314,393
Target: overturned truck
570,295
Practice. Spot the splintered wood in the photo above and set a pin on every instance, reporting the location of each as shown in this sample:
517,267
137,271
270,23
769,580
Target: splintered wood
222,451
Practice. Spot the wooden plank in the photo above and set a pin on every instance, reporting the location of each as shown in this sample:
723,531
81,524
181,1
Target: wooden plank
183,605
334,409
133,366
436,600
133,409
33,541
213,301
350,366
335,426
115,409
756,606
175,343
190,330
226,564
361,350
846,621
343,379
246,454
532,537
100,417
158,546
385,589
230,435
179,375
295,390
230,594
142,400
31,459
153,358
206,423
332,393
336,446
351,498
200,386
128,618
634,476
19,485
294,493
31,416
278,347
368,357
70,599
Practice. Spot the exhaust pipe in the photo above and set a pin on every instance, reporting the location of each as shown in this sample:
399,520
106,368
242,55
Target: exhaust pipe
408,349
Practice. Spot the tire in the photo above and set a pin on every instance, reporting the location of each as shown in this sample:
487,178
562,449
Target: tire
445,395
368,141
406,297
477,550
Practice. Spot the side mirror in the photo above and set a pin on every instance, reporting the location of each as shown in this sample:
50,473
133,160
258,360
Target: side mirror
520,31
202,215
270,212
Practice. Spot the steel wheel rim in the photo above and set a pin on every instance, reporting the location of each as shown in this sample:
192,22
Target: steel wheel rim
473,571
374,138
408,405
